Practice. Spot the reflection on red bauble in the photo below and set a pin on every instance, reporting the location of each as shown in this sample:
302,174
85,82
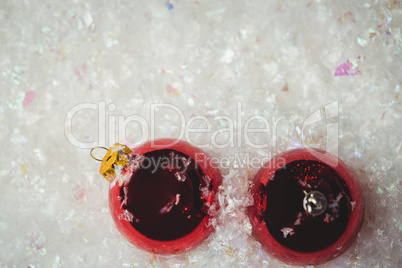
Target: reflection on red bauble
308,207
161,200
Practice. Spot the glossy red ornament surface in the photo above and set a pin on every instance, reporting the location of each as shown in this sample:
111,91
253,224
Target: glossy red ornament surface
282,224
164,205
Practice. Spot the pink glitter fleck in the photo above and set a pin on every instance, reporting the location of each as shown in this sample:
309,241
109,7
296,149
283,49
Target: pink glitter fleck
29,97
346,69
172,90
79,192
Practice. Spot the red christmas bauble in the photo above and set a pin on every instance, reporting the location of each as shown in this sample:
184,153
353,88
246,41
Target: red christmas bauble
160,201
308,207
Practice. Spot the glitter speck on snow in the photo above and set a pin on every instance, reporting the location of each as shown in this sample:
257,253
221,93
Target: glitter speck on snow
169,5
171,90
361,42
347,69
29,97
